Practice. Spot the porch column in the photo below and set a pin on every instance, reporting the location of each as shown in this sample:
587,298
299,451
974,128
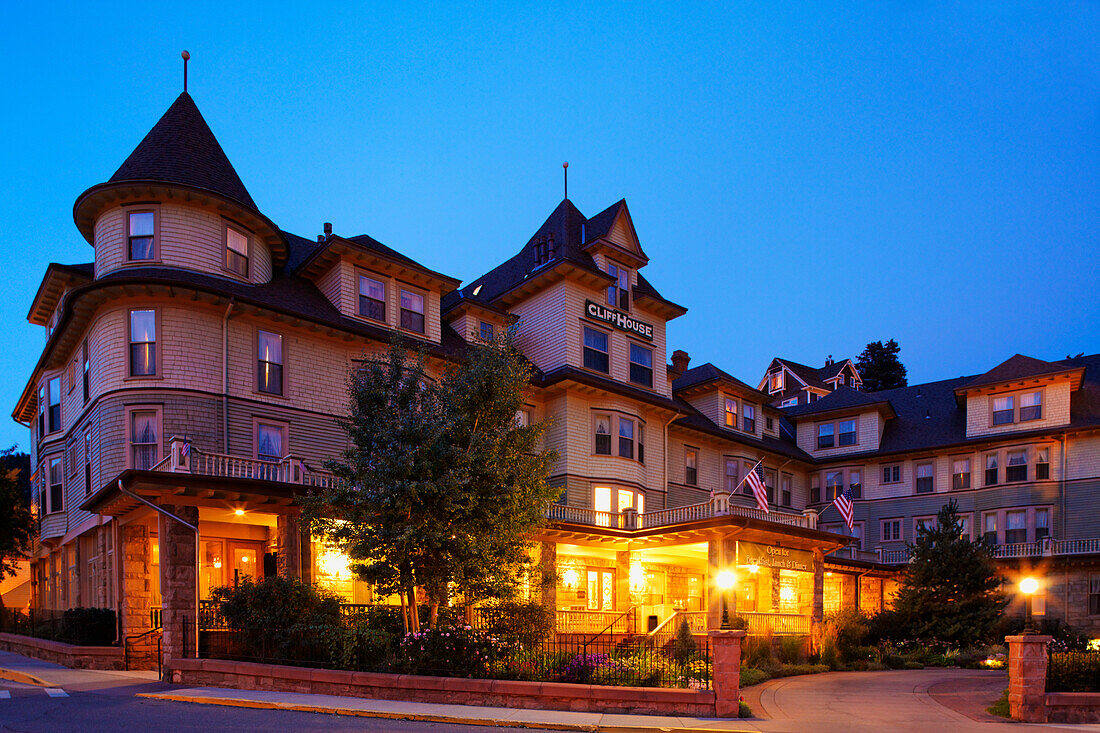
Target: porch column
178,577
548,576
721,555
622,582
817,615
305,554
289,543
136,590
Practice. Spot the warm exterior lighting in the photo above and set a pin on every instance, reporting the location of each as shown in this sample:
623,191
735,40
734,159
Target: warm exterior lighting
754,569
1028,586
334,564
725,580
239,512
829,574
637,578
570,578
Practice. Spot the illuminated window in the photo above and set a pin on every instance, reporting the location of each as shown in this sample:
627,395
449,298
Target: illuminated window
269,363
143,343
775,382
270,441
731,412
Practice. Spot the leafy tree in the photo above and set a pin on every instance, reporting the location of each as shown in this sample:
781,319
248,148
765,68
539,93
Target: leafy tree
880,368
441,487
950,591
17,524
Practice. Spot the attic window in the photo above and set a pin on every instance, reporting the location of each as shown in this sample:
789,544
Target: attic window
618,294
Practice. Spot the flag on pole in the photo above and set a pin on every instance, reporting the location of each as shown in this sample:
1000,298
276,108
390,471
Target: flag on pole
758,489
843,503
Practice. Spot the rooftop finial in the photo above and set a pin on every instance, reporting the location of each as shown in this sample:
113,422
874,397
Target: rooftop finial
565,172
186,57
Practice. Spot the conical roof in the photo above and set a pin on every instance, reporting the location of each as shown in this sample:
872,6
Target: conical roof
181,149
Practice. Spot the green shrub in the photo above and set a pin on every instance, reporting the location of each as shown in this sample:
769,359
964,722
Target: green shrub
793,670
758,650
914,665
529,623
457,651
861,654
752,676
829,656
792,649
894,661
89,626
682,648
743,709
1000,708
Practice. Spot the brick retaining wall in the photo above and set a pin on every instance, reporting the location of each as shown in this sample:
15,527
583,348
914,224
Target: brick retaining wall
414,688
67,655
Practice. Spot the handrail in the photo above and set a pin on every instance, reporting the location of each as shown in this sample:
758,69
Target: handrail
609,626
134,637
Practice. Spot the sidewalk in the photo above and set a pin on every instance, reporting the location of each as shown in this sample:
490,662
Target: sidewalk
29,671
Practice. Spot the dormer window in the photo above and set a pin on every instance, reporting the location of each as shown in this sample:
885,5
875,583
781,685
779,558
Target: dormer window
141,235
412,311
748,418
731,413
1003,410
775,382
236,252
1031,406
618,294
372,299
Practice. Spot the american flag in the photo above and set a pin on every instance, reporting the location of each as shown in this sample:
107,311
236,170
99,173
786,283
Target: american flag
758,489
843,503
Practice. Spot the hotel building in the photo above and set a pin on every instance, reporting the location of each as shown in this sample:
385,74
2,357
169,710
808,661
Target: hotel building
192,375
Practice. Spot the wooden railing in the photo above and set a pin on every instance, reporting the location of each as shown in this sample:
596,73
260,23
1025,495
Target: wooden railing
717,507
593,622
697,624
780,624
185,458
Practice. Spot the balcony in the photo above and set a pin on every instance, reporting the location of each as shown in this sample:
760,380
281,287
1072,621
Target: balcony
1045,547
186,458
719,506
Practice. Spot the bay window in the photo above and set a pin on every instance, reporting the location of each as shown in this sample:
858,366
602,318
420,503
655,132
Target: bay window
87,462
41,411
815,488
1016,466
1015,526
991,469
54,388
57,489
269,363
626,438
595,350
855,482
603,435
144,439
834,481
87,369
236,252
372,299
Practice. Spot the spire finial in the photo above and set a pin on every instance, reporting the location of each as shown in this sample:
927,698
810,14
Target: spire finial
565,172
185,56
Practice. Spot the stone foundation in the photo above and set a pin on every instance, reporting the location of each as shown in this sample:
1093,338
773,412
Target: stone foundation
67,655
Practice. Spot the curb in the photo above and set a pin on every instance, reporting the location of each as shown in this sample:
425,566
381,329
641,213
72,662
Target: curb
424,717
23,678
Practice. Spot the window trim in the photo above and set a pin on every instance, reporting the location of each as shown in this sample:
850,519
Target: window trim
691,479
585,347
630,347
900,472
385,283
484,326
86,372
969,472
158,332
51,428
917,465
282,425
900,526
226,227
620,292
87,461
1017,407
922,517
256,361
773,388
423,295
854,419
127,210
158,410
51,460
612,431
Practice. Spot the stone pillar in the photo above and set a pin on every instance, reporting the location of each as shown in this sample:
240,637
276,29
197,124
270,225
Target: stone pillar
1027,677
849,592
817,614
136,588
178,579
725,650
288,546
622,579
721,555
305,551
548,576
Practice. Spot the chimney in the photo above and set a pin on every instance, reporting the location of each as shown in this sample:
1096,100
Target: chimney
829,360
328,228
320,237
680,361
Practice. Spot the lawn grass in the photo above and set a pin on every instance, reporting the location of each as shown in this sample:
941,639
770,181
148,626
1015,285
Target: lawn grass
1000,708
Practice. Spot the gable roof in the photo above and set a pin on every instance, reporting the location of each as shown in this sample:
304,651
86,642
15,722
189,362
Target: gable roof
1015,368
709,373
181,149
812,376
842,398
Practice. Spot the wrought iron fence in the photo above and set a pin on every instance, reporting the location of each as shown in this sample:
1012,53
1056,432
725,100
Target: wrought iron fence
94,627
461,652
1073,671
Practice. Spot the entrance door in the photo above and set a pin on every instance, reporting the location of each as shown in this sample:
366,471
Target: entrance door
601,590
244,561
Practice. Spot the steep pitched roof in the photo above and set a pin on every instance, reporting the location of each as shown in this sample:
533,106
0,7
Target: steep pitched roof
708,373
181,149
840,399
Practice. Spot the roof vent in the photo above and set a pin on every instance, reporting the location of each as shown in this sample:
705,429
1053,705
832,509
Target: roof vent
328,228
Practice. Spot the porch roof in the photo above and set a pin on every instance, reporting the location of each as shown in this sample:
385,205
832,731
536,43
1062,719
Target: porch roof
188,489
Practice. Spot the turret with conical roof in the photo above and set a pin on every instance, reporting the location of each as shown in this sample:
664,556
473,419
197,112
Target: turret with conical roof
179,163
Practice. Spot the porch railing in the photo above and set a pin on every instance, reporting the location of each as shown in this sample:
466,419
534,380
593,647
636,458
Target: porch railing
1045,547
780,624
719,506
592,622
185,458
696,620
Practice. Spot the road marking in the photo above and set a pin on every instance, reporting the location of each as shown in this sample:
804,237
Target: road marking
5,694
56,692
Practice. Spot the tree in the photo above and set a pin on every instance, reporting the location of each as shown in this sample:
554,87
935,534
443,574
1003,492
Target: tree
950,591
17,523
441,487
880,368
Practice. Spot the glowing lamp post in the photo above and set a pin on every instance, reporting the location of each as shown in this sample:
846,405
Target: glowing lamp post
725,581
1028,586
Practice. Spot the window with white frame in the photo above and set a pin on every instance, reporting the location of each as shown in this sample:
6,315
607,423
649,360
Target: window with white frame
141,235
613,499
825,436
87,462
789,402
1042,464
891,474
846,432
785,490
618,294
815,488
834,484
855,482
964,526
41,411
86,360
54,388
143,343
1031,406
372,298
1042,523
412,311
891,530
1016,466
1015,526
991,468
923,524
1004,410
989,527
236,251
925,483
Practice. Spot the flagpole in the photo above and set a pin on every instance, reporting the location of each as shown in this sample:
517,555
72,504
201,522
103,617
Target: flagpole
738,486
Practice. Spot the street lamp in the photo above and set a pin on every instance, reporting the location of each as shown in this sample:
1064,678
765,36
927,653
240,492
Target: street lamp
725,581
1028,586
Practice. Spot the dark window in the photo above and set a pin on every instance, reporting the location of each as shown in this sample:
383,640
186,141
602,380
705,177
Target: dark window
960,473
785,491
748,418
991,469
641,443
626,438
144,445
891,474
769,484
372,299
236,252
269,363
1003,410
595,350
55,404
815,489
855,483
769,424
691,474
1016,467
412,311
1042,524
618,295
825,436
833,482
487,331
57,492
1094,596
142,224
1015,527
891,530
990,529
1042,464
603,435
87,369
143,343
1031,406
925,479
846,435
87,463
641,365
41,412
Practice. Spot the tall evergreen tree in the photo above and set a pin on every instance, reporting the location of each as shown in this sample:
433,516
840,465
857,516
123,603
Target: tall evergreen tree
441,486
950,591
880,368
17,524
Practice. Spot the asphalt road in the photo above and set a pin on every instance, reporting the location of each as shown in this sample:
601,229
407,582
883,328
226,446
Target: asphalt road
34,709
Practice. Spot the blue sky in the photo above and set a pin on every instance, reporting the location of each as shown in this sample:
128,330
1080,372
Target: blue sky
804,180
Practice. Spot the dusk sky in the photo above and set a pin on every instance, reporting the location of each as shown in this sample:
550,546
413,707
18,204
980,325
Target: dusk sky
803,181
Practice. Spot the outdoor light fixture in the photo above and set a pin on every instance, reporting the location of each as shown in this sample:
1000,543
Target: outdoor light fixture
725,580
570,578
637,578
1028,586
239,512
754,569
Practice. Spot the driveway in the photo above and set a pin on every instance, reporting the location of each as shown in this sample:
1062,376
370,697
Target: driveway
924,701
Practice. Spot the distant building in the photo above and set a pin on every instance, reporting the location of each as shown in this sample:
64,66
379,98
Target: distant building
789,383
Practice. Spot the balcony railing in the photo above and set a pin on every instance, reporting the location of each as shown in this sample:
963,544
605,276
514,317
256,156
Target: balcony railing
719,506
780,624
185,458
1045,547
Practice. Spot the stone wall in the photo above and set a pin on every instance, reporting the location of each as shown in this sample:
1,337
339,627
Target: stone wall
67,655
